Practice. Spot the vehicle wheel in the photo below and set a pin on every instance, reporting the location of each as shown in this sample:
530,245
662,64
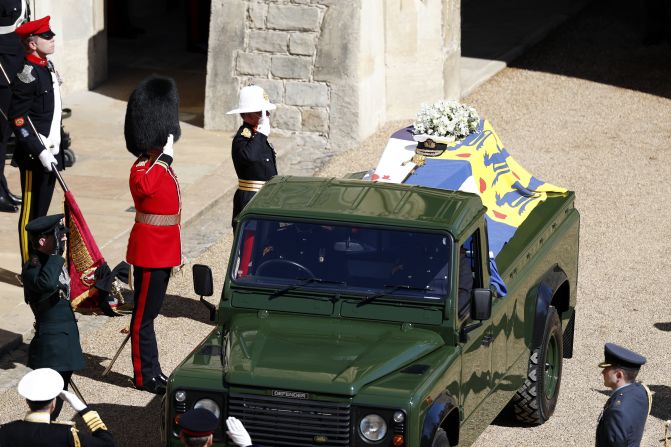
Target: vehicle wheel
440,439
535,401
70,157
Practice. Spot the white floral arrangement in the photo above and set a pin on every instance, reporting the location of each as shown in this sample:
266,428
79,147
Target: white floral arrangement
445,121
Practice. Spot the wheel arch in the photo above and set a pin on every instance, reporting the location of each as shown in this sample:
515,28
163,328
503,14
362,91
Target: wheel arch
552,290
443,413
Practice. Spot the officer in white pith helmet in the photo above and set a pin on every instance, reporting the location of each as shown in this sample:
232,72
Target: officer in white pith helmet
40,388
253,156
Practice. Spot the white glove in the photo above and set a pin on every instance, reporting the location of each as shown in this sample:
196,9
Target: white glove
47,158
73,400
237,432
264,125
49,145
167,149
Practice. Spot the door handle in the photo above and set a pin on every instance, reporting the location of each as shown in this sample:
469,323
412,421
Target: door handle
487,340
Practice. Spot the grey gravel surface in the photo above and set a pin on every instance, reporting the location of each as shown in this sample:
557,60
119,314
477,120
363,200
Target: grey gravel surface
588,110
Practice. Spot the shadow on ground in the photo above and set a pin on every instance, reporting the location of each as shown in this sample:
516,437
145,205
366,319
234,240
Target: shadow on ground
176,306
9,277
604,44
145,429
95,366
666,327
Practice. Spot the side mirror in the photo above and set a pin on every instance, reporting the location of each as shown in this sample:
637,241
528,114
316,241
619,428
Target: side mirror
203,286
481,310
482,304
202,280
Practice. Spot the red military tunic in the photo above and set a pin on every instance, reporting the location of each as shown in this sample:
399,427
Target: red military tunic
154,241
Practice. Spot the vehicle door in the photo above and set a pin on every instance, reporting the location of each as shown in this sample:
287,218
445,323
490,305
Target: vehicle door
476,376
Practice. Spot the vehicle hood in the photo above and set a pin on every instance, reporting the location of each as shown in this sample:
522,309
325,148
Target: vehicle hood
319,354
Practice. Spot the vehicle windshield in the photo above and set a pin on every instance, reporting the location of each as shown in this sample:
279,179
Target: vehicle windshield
362,260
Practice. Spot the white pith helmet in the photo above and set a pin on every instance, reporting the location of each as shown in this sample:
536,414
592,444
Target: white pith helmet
252,99
41,385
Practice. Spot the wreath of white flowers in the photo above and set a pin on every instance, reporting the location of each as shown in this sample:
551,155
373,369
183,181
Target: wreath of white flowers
445,121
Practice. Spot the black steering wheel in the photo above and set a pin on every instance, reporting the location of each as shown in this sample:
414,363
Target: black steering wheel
282,262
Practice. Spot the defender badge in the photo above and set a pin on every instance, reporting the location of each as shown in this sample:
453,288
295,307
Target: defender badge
290,394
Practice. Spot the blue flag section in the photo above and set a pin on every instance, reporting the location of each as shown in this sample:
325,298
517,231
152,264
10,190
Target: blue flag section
478,164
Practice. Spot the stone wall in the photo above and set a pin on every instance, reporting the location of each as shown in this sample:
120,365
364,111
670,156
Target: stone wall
337,69
81,41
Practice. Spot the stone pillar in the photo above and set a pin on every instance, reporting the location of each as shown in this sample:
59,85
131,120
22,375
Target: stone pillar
81,41
337,69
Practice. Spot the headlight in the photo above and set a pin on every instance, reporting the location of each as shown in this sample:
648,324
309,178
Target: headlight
373,427
180,396
208,404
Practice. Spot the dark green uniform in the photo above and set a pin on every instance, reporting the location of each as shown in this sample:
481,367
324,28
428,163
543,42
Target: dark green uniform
46,288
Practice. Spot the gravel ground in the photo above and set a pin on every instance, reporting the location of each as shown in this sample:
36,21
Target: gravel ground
585,109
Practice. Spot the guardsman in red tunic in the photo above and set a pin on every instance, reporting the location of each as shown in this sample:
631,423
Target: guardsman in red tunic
154,246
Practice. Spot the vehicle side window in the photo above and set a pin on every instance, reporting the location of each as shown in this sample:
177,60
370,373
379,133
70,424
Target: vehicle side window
470,276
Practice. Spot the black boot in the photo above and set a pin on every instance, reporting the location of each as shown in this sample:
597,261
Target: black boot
16,200
6,205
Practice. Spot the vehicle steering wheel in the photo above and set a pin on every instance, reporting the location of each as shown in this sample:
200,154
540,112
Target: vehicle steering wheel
285,262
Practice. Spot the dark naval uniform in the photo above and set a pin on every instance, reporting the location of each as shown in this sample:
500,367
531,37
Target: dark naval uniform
36,430
254,161
623,418
36,95
12,13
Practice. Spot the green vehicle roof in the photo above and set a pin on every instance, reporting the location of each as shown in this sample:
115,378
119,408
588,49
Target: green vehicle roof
367,202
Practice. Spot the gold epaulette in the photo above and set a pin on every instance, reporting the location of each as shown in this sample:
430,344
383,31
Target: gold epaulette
93,421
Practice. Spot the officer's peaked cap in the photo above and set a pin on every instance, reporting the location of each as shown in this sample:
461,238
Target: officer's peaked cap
41,385
198,422
616,355
44,224
39,27
152,114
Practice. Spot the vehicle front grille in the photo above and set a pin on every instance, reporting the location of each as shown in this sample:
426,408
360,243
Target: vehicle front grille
278,421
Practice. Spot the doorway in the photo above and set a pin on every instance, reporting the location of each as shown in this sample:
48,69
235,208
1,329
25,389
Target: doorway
163,37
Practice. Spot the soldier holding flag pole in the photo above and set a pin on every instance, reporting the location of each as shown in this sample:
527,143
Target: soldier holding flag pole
35,115
12,15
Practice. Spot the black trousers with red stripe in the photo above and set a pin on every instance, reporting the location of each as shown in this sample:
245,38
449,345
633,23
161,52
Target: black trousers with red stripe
37,187
150,287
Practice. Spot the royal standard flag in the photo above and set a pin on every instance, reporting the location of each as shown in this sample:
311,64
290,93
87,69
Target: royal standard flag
479,164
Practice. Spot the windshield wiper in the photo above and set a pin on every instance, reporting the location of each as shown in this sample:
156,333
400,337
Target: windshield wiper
394,288
304,282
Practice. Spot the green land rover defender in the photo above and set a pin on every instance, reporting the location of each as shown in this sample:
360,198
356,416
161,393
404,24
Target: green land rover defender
358,313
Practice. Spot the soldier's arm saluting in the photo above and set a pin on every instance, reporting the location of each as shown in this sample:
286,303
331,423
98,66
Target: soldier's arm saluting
100,436
146,179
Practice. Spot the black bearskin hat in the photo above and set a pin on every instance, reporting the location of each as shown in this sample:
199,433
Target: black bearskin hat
152,114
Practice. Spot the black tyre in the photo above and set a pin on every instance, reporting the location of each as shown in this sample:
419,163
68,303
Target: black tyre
70,157
440,439
535,401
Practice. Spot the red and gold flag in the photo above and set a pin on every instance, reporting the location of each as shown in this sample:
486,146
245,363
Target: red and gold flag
84,258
